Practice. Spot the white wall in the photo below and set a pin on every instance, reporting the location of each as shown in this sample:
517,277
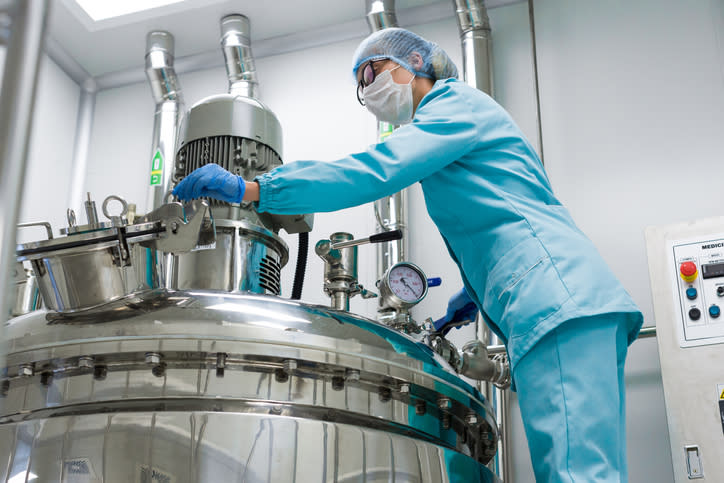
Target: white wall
633,111
50,153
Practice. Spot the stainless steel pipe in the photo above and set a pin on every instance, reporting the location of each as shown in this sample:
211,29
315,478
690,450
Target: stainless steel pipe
476,39
17,99
236,44
390,211
644,333
169,106
381,14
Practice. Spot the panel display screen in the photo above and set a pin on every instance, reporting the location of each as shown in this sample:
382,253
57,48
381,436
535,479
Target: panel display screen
712,270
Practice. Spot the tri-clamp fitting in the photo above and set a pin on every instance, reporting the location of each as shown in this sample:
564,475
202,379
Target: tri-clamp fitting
340,265
340,270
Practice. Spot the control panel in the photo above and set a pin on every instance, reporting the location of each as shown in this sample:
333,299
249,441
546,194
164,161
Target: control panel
686,270
698,277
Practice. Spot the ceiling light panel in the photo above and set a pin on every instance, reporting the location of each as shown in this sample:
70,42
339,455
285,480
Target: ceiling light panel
105,9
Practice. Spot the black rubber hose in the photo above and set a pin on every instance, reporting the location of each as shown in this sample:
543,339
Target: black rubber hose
301,266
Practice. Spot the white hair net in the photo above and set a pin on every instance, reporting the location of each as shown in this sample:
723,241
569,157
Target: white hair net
398,45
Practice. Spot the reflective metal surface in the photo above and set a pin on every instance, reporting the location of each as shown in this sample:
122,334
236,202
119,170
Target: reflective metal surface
246,258
476,38
89,268
230,115
236,45
390,211
164,371
209,447
169,108
27,295
17,98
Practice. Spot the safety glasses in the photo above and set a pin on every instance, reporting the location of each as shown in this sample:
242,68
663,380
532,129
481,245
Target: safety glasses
368,77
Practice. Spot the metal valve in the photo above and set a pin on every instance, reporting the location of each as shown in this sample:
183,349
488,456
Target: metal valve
340,265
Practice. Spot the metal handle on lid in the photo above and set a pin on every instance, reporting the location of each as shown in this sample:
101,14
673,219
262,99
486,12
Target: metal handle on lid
45,224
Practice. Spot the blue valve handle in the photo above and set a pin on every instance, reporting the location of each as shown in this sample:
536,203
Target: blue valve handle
434,282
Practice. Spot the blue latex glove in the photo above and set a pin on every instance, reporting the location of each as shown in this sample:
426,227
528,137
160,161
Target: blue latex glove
211,181
461,310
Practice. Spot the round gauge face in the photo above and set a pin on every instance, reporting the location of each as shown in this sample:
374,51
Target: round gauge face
407,283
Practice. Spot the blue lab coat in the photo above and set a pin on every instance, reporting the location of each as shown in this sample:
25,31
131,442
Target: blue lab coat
522,258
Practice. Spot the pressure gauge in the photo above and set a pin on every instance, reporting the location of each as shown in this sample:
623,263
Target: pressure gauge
402,286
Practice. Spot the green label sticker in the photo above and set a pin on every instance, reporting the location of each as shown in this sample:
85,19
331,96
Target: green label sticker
156,168
385,129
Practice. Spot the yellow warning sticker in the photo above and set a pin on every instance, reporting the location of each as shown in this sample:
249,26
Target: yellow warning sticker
721,396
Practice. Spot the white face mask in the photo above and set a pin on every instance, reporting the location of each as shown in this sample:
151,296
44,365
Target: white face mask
389,101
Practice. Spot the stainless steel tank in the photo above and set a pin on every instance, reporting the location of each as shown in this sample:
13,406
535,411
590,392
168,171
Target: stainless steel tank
200,386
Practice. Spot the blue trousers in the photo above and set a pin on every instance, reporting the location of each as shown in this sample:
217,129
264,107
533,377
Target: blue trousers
571,395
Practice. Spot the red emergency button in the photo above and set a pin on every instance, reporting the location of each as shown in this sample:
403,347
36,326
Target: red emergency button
688,271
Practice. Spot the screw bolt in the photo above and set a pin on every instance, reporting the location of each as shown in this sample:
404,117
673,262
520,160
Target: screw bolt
352,375
45,378
405,388
385,394
159,370
471,419
280,375
290,365
338,383
220,364
25,370
100,372
420,407
153,358
85,362
444,403
446,421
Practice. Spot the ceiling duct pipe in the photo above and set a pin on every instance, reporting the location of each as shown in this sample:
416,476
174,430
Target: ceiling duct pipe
381,14
236,44
475,35
169,106
390,211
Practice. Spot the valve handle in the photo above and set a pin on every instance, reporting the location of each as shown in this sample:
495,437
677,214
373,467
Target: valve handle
376,238
386,236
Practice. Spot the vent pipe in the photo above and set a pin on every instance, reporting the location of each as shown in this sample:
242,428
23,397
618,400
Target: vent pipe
381,14
169,106
475,36
236,44
476,39
390,211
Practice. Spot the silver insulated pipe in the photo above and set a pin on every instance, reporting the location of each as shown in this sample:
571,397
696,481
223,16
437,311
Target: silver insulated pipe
236,44
381,14
390,211
169,106
476,40
475,35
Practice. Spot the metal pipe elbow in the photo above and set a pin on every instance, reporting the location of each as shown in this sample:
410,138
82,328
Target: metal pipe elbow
475,364
159,67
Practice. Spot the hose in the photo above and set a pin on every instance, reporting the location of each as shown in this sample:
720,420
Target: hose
301,266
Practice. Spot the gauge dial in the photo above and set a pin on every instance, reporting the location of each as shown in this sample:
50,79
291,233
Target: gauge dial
407,283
